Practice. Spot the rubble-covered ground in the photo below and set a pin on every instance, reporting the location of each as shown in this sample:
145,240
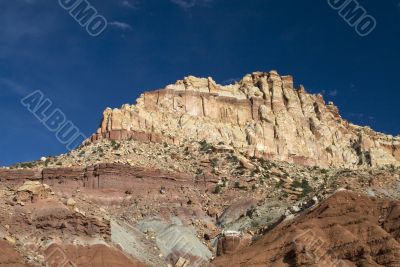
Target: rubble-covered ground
188,204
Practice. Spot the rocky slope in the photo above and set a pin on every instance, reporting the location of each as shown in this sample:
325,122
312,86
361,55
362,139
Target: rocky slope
262,115
158,216
199,171
346,230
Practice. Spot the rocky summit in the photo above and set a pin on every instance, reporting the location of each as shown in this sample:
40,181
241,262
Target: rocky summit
262,115
257,173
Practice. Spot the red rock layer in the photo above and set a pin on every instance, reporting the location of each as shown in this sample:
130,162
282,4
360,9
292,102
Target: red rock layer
345,230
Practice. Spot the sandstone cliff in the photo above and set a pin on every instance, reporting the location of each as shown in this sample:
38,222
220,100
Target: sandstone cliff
262,115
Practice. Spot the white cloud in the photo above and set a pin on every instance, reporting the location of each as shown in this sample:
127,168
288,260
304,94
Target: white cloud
330,92
23,22
129,4
186,4
333,92
120,25
357,115
13,87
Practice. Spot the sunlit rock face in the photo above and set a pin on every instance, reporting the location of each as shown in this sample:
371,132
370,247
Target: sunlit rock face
262,115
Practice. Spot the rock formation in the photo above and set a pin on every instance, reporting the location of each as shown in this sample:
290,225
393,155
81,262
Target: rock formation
198,171
262,115
345,230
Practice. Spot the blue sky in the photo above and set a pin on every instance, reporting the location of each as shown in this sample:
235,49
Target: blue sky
152,43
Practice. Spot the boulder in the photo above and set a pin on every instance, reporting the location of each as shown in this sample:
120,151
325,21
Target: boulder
32,191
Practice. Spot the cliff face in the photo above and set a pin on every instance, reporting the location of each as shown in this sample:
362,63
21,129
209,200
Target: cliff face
262,115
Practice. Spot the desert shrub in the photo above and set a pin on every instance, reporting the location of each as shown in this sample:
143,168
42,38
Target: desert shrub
239,186
304,184
256,238
25,165
214,162
115,145
255,224
217,189
186,151
205,147
47,162
232,158
279,184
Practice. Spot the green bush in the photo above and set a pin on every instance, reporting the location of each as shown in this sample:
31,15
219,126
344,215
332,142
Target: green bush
279,184
217,189
214,162
26,165
205,147
304,184
255,224
115,145
241,187
232,158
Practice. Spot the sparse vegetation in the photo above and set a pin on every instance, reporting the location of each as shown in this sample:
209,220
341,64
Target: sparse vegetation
47,162
214,162
304,184
186,151
232,158
217,189
128,192
279,184
256,238
115,145
224,181
239,186
255,224
25,165
205,147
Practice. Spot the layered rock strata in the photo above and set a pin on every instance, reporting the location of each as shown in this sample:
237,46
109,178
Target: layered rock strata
348,229
262,115
100,176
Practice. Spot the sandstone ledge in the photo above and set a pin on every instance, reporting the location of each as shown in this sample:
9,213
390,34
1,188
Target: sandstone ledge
263,115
